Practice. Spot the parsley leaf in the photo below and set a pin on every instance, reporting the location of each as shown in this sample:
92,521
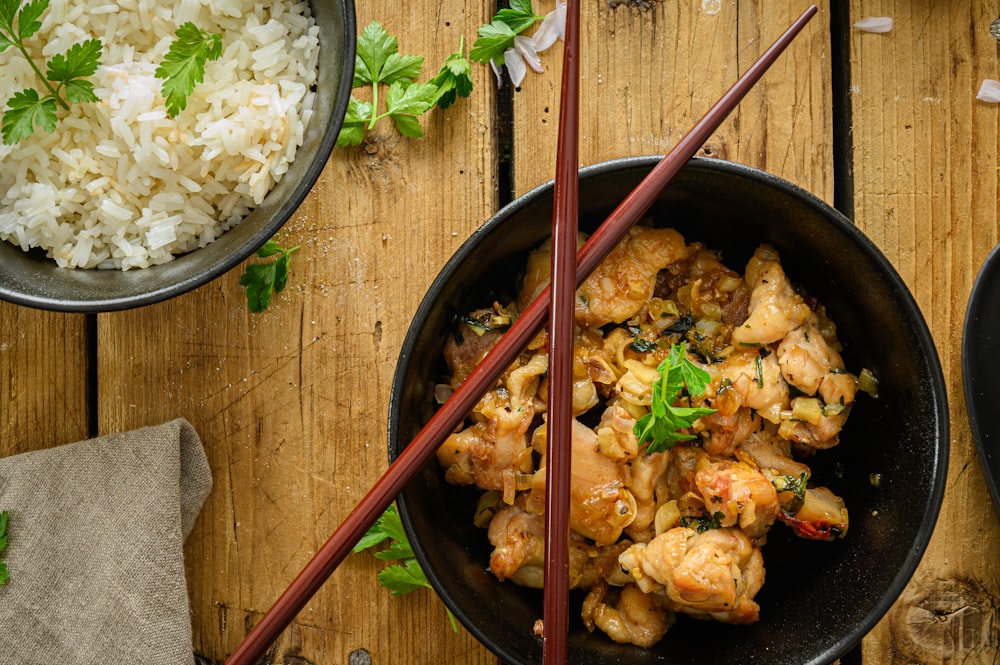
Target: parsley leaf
374,47
80,61
184,64
352,131
379,64
494,39
519,15
4,573
454,78
27,108
24,111
661,426
498,35
262,280
405,102
403,577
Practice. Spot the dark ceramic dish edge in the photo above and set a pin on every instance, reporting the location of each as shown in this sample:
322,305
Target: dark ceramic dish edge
922,334
981,368
232,247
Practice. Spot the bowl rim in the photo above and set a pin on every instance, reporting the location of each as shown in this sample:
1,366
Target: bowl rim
978,360
937,384
327,140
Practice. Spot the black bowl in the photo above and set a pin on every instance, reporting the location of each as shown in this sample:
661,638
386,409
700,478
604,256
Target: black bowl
819,599
32,279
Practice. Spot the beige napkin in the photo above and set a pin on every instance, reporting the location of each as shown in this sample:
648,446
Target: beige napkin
95,549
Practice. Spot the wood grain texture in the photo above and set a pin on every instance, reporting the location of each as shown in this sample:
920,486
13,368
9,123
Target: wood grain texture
650,70
43,379
926,192
292,403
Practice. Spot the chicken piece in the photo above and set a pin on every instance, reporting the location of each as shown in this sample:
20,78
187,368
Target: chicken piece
624,280
616,434
538,272
813,366
715,573
823,434
775,308
754,375
823,516
463,353
738,495
633,617
600,505
680,473
726,433
523,382
490,453
518,538
645,485
772,454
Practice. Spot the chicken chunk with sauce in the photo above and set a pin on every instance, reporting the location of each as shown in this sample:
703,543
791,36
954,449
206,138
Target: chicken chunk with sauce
717,572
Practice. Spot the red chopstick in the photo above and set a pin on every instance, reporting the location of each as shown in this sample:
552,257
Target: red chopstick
454,410
555,615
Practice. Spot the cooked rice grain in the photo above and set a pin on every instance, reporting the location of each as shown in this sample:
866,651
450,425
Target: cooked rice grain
119,184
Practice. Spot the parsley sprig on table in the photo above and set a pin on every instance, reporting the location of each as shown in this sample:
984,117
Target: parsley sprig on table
380,65
405,576
454,79
183,65
64,79
4,520
262,280
662,426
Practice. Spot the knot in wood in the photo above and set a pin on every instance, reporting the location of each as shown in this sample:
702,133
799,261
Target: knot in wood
952,619
714,149
360,657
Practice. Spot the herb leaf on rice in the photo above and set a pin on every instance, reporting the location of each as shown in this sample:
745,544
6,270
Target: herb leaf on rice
183,65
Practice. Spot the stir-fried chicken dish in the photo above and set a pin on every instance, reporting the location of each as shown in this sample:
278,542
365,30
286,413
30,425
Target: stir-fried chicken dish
656,529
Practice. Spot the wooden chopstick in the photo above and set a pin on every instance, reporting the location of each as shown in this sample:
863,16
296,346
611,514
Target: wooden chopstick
455,409
555,614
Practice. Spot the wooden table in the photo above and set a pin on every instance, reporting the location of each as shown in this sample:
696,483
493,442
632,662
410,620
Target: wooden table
292,403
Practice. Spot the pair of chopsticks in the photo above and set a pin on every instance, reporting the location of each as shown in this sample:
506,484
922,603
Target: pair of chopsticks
455,409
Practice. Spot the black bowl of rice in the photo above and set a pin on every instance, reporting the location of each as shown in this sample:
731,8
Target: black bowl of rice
833,492
124,206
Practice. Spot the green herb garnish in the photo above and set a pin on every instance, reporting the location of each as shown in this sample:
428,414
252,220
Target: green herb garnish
379,63
262,280
454,79
640,345
661,426
796,486
4,573
498,35
184,64
405,576
64,78
702,523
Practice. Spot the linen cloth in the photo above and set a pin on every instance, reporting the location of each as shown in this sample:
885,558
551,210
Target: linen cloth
95,549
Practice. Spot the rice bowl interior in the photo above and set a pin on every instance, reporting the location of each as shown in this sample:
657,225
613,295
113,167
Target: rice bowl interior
284,136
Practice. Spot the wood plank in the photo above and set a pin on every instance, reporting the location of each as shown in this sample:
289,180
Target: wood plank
43,379
690,54
292,403
926,191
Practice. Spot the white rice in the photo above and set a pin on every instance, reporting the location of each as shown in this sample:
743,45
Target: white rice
119,184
